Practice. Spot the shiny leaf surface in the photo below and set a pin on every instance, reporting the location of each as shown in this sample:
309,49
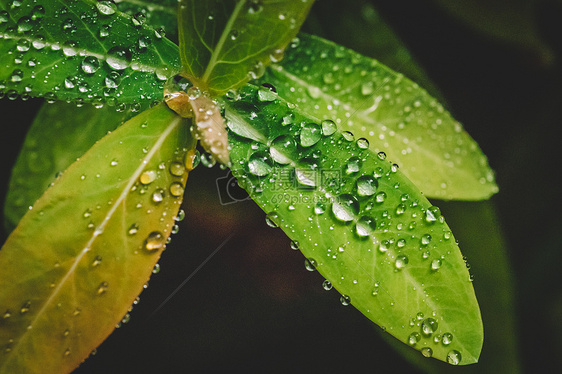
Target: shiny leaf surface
76,262
82,50
225,43
393,113
359,221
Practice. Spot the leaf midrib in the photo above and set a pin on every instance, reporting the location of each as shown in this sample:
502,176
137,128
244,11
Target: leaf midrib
98,231
222,40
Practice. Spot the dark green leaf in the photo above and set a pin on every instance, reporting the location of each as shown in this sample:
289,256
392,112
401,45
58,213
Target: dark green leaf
393,113
222,40
160,14
76,262
82,50
59,135
359,222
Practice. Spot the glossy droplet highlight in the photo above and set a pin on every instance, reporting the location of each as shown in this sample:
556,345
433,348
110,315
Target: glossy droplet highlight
427,352
176,189
401,262
90,65
366,186
447,338
345,300
260,164
429,326
454,357
329,127
283,149
310,134
154,241
106,8
365,226
413,338
148,177
345,208
310,264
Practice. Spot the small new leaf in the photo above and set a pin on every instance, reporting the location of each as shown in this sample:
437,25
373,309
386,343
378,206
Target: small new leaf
225,43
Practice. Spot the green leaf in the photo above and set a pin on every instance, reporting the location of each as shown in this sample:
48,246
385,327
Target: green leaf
221,41
59,135
359,221
76,262
82,50
160,14
393,113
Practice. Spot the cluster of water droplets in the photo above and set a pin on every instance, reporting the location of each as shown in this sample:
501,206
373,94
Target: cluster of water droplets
85,42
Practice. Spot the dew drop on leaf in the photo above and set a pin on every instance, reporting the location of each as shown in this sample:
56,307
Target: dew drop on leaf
177,169
154,241
118,58
310,134
282,149
148,177
102,288
427,352
345,208
447,338
260,164
435,264
327,285
329,127
345,300
401,262
429,326
366,186
365,226
106,8
90,65
310,264
176,189
413,338
454,357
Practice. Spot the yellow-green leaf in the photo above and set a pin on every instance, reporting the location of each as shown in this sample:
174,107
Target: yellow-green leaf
74,265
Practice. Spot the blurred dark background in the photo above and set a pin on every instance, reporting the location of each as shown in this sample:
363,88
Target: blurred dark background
253,307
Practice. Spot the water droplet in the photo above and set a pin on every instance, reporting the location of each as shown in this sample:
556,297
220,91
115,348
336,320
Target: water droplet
366,186
283,149
112,80
181,215
427,352
414,338
4,17
158,196
454,357
425,239
384,246
365,226
329,127
319,208
154,241
381,156
177,169
375,290
310,134
148,177
97,261
367,88
133,229
294,245
310,264
266,94
118,58
345,300
348,136
25,24
380,197
429,326
435,264
362,143
106,8
327,285
25,307
432,214
102,288
138,19
66,352
352,166
401,262
447,338
260,164
270,219
90,65
7,314
17,76
156,269
68,26
176,189
345,208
